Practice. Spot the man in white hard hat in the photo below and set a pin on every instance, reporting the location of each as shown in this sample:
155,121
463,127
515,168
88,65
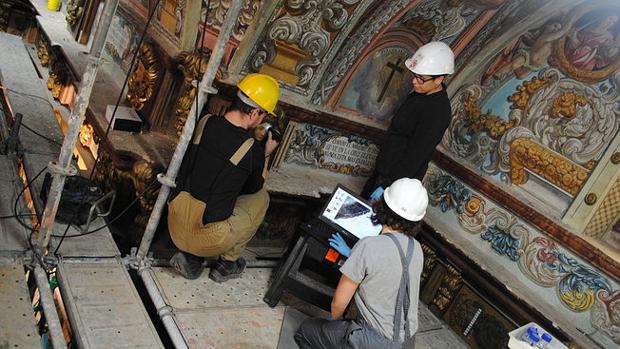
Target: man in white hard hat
419,124
379,272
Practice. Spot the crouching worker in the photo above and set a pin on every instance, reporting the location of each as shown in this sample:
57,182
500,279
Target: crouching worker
220,202
383,274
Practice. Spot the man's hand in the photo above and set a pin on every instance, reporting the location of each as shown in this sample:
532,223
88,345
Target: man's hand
337,242
270,145
377,194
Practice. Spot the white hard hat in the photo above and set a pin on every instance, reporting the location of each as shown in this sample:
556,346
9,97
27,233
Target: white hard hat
434,58
407,197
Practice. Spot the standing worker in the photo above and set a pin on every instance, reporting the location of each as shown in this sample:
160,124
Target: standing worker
383,273
419,124
220,200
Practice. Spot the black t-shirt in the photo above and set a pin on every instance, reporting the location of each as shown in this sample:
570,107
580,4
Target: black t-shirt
415,130
213,178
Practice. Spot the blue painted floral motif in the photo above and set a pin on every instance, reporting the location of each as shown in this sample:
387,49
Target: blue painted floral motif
580,277
502,242
449,193
322,134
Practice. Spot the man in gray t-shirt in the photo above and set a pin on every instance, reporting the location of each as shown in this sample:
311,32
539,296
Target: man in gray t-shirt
375,265
375,273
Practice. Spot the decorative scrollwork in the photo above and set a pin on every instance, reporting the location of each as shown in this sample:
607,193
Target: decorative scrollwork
527,154
217,14
566,105
75,8
142,82
307,26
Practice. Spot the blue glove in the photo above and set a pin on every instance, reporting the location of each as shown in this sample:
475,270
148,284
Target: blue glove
376,195
337,242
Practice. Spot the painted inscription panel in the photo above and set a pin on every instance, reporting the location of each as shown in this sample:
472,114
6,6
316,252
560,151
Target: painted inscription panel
322,148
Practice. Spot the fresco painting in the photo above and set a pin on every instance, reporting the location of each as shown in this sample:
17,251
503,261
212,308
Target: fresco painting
580,288
380,84
546,106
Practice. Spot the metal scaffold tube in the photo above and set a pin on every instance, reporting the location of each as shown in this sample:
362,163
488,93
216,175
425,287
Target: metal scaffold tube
63,167
205,87
49,309
163,310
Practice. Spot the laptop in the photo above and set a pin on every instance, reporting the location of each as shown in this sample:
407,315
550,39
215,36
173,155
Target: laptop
349,214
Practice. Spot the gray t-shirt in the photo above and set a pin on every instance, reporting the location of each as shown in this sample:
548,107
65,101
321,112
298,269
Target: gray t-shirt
375,264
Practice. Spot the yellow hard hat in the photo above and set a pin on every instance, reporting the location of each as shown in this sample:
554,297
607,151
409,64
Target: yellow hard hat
262,89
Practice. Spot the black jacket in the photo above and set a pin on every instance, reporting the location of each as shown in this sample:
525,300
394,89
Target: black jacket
415,130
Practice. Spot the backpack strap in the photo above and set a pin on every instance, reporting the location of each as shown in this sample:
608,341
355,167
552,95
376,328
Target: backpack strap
200,127
240,153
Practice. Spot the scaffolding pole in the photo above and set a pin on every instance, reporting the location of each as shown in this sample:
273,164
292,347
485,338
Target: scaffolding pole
63,168
204,89
49,309
164,311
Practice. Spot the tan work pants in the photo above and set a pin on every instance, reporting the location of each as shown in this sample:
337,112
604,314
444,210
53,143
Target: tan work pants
226,238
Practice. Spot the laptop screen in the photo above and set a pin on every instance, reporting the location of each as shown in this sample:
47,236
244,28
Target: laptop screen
349,213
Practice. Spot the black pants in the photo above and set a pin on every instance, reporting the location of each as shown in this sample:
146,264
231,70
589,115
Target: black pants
334,334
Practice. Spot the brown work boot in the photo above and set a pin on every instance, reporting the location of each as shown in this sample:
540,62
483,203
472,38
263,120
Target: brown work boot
188,265
226,270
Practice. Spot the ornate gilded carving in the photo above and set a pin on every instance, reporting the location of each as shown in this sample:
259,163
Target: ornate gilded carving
478,122
130,175
144,178
75,8
527,154
520,98
566,104
430,260
142,82
615,158
449,287
43,53
192,65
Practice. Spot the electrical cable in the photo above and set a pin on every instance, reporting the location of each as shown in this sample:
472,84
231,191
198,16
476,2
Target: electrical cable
18,215
40,135
27,94
107,131
36,226
118,216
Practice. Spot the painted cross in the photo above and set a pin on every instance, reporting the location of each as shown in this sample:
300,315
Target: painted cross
395,68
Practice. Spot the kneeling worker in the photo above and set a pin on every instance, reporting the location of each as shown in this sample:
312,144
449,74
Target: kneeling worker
383,273
220,201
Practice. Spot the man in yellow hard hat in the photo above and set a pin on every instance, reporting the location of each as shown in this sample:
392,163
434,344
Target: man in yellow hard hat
220,200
